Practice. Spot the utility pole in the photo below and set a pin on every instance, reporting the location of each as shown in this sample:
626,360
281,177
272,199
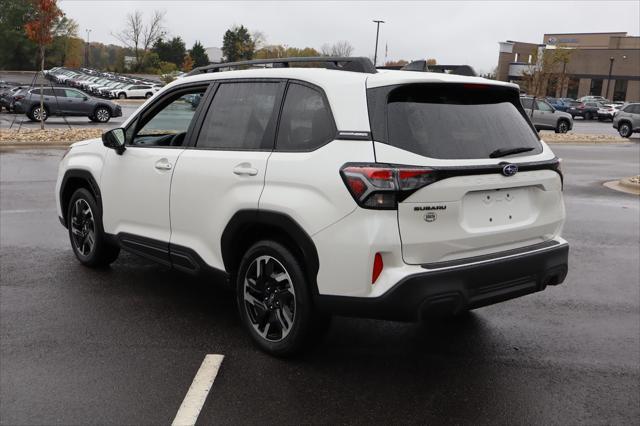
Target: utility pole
86,54
375,55
606,93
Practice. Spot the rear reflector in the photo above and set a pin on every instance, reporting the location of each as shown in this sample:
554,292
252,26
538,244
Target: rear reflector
377,268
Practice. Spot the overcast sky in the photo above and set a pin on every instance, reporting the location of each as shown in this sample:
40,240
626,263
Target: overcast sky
453,32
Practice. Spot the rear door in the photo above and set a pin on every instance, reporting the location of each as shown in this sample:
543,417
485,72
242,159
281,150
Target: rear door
224,171
472,203
546,116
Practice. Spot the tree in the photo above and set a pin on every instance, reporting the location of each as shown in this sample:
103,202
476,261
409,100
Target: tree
64,29
279,51
546,65
139,37
341,48
40,31
173,50
17,52
187,63
237,44
198,55
398,63
431,61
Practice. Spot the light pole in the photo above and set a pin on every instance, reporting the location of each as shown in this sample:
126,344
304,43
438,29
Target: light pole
375,55
606,93
86,55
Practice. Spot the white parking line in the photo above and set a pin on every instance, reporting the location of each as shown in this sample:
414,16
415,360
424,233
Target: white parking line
20,211
197,394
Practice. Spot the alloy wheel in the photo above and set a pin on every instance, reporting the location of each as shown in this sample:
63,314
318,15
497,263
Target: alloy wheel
625,130
39,114
102,115
83,229
269,298
563,127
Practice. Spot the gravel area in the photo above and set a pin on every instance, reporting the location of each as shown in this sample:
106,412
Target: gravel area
47,136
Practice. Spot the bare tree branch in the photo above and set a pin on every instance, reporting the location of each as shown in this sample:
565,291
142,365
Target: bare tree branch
140,37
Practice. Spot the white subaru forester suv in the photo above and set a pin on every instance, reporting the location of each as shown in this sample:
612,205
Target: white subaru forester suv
339,189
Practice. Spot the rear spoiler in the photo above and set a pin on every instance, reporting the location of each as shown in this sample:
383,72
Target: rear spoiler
445,69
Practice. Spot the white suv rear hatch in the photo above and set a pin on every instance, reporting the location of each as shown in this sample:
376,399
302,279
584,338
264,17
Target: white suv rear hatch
468,134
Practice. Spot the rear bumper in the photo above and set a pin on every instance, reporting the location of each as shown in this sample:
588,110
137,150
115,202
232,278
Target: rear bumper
456,289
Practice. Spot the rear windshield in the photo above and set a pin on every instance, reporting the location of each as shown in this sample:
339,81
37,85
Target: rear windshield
457,121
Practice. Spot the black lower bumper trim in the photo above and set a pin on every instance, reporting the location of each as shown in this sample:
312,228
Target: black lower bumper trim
452,291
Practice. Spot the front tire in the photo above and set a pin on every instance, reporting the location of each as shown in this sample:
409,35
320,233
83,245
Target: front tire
148,95
102,115
122,96
274,299
88,239
562,127
624,129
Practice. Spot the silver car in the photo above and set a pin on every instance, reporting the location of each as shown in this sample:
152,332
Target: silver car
627,120
546,117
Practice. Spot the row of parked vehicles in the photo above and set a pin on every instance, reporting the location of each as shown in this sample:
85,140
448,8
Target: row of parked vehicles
76,93
104,84
587,107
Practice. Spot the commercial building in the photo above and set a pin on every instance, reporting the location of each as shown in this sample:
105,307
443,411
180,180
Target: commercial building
598,64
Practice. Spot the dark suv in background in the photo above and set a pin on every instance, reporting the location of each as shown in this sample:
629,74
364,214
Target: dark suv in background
68,102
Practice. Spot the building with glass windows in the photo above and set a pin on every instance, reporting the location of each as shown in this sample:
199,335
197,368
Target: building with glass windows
598,64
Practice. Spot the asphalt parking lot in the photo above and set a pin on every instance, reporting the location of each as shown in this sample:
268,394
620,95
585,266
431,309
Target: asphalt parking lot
122,345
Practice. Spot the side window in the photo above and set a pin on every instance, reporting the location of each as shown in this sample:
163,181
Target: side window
167,125
527,103
543,106
306,121
241,117
69,93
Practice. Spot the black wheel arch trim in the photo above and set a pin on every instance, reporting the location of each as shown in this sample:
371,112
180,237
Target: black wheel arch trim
244,219
78,174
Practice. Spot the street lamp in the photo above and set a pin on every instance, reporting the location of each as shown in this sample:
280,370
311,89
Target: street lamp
86,55
375,55
611,59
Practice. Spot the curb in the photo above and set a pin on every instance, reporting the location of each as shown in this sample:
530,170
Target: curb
627,183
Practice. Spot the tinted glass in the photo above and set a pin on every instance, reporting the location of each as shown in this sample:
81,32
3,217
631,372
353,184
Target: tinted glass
73,93
45,92
306,121
452,122
239,117
527,103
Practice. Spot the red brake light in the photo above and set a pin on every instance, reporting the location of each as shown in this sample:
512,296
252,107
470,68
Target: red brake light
377,268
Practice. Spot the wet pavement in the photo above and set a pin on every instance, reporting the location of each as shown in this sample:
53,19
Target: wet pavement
122,345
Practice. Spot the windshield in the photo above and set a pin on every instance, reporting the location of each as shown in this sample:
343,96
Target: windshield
457,121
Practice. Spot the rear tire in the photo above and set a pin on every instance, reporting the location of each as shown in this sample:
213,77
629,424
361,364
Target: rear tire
86,234
625,130
274,299
34,114
122,96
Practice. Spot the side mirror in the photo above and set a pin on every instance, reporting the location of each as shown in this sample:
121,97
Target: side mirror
84,98
114,139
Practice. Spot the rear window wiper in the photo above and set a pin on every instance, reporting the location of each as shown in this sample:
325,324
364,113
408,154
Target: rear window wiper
502,152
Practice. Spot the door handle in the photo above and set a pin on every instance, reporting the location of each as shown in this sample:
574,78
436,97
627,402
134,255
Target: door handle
163,164
245,169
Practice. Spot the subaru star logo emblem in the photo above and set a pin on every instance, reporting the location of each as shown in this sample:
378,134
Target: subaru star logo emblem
510,169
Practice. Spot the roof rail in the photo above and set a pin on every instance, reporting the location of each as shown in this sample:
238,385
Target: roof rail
446,69
342,63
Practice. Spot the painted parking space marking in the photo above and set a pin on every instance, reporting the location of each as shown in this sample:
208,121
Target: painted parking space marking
197,394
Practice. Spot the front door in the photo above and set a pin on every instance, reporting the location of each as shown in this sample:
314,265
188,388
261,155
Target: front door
136,185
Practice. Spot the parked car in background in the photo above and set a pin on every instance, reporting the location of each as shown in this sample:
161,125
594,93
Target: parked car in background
627,120
6,97
608,111
560,104
135,91
586,110
594,99
67,102
545,117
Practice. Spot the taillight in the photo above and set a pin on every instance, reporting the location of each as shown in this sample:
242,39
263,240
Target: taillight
17,98
379,186
581,106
